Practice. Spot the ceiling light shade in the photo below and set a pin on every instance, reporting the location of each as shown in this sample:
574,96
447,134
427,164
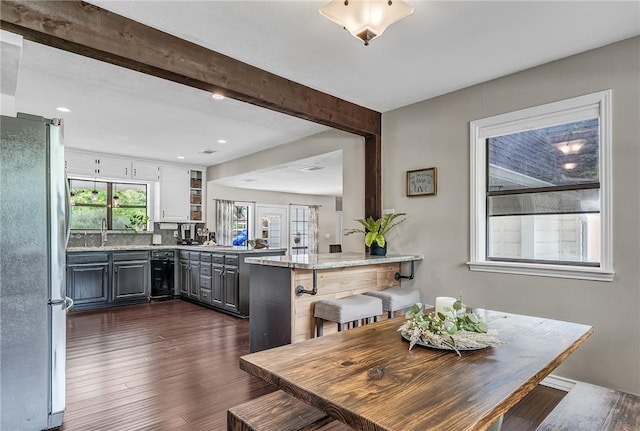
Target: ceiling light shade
366,19
570,147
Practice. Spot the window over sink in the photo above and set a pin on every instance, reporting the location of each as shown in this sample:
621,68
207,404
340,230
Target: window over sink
95,201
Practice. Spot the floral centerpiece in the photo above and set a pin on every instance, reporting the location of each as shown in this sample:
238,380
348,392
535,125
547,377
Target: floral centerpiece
452,329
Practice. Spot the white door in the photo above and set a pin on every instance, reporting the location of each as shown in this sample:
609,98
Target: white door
272,224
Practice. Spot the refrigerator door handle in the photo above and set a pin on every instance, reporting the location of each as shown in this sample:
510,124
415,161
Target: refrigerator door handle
68,303
68,207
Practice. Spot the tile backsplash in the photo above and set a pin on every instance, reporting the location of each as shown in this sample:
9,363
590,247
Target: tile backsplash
93,238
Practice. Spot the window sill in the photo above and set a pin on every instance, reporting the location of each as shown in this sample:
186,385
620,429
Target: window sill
543,270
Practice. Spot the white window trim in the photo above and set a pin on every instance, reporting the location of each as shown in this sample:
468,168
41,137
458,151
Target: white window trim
560,112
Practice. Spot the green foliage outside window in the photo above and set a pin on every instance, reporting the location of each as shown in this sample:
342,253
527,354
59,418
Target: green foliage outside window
88,213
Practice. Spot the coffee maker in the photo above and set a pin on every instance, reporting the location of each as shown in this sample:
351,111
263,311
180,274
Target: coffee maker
187,234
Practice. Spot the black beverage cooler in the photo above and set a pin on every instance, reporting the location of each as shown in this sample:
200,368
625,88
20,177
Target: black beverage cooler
162,270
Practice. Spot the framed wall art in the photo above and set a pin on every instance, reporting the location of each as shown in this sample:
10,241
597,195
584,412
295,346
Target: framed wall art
422,182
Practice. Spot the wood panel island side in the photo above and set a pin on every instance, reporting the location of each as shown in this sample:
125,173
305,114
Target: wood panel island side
281,314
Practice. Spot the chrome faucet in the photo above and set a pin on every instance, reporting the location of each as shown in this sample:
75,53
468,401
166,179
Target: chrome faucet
103,232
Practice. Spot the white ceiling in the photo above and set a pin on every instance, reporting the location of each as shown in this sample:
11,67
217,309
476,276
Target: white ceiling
442,47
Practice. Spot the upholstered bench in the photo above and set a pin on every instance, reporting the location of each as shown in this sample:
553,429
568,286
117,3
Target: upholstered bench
345,310
396,298
590,407
279,411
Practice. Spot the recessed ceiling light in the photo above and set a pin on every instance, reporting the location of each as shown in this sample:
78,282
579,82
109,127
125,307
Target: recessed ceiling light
217,96
181,157
222,141
63,109
311,168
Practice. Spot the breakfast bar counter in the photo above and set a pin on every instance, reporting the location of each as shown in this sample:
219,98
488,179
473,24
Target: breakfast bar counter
284,290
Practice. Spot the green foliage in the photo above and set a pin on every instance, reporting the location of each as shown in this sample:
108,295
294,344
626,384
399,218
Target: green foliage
137,220
88,214
376,229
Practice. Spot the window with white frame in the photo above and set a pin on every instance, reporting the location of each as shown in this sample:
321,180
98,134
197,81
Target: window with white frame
541,190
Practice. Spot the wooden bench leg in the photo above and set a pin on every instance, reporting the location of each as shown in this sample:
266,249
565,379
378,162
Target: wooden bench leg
319,326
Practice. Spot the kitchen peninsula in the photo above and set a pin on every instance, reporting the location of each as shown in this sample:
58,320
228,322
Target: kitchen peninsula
284,290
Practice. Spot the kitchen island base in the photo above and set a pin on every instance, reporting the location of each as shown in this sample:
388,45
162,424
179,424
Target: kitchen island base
279,316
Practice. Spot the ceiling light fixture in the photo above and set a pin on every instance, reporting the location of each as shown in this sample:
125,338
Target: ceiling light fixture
570,147
569,166
181,157
63,109
311,168
222,141
217,96
366,19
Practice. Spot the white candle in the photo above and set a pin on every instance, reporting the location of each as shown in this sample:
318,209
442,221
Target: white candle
444,301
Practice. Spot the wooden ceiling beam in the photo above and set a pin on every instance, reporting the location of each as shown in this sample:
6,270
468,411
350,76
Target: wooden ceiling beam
94,32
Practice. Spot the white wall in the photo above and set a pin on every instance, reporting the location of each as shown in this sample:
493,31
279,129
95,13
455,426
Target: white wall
352,147
435,132
326,215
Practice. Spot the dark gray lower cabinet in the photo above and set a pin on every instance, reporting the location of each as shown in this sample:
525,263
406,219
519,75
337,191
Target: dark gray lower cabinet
131,276
216,285
88,279
194,274
184,275
220,280
230,288
104,279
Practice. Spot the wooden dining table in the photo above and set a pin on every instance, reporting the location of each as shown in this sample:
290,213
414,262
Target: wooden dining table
368,378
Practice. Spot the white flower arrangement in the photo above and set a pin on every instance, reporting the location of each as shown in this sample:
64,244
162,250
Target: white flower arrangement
455,329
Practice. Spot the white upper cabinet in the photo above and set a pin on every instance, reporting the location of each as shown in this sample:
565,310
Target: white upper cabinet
145,171
80,164
174,194
111,167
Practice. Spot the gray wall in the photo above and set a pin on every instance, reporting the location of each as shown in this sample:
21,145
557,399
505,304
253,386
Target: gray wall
435,132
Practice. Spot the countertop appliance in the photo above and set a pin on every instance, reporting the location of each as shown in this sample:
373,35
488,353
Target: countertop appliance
162,274
33,234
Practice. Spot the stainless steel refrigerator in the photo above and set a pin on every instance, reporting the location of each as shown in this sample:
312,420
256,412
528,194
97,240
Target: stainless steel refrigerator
33,305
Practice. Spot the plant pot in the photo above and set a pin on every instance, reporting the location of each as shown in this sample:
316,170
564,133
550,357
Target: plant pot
376,250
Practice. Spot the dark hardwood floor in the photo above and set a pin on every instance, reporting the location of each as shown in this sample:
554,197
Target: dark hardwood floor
173,365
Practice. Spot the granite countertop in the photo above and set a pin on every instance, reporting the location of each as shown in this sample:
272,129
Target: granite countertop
203,248
331,260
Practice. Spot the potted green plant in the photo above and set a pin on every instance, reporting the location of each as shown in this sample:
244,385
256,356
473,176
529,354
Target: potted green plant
137,222
375,230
